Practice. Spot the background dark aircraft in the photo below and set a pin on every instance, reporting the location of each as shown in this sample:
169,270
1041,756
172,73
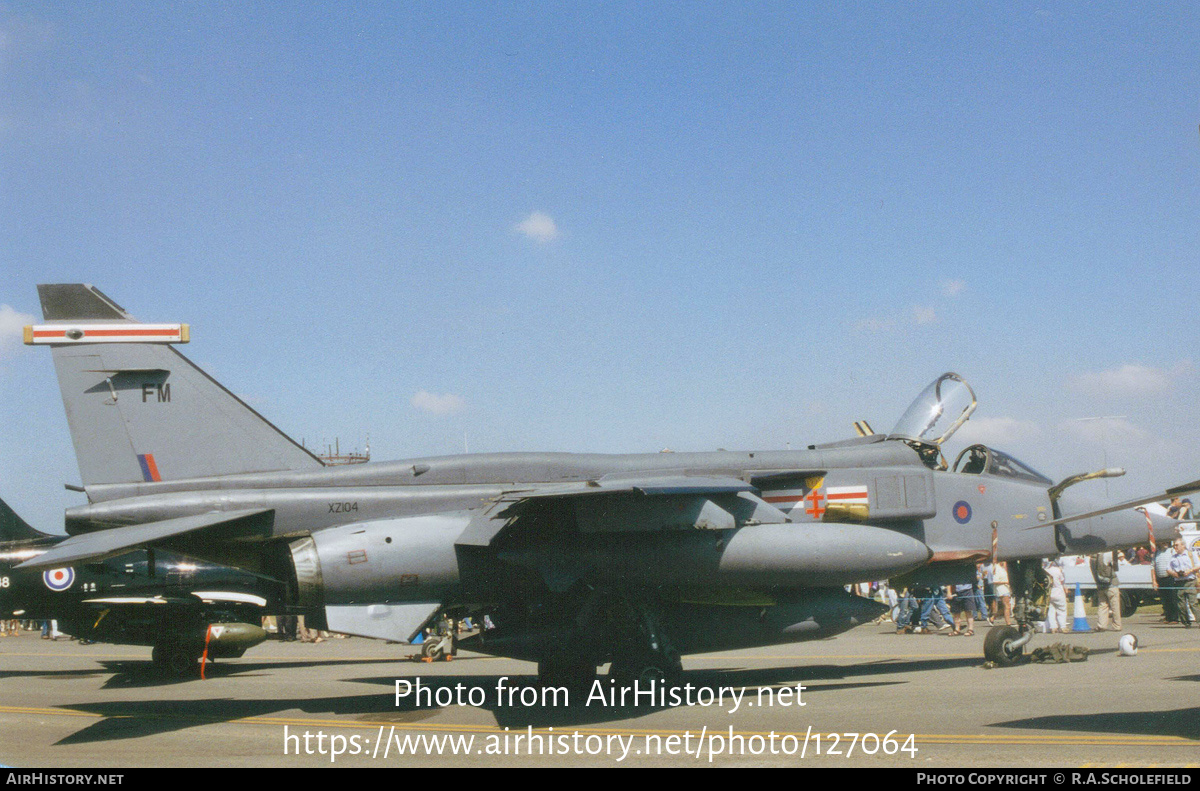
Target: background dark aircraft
178,605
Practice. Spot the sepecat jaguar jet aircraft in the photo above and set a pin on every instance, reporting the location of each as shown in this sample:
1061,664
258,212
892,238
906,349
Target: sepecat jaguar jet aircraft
576,560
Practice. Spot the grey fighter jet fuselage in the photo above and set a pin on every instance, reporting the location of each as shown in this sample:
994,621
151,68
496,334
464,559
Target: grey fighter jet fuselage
576,559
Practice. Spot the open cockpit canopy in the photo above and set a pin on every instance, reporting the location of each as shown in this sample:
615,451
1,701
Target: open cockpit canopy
937,412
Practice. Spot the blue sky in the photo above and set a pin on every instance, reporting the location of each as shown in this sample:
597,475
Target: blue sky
618,227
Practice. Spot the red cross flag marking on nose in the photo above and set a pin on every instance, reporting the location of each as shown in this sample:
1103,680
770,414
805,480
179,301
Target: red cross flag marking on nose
815,497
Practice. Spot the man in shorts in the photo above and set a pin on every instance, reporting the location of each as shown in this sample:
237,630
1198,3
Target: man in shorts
962,606
1003,592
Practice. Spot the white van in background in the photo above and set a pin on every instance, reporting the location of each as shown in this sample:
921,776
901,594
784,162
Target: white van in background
1136,580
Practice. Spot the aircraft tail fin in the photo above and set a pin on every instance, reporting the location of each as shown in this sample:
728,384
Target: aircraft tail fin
138,410
14,528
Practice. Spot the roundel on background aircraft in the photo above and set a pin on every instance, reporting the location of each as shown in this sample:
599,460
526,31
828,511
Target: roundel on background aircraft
59,579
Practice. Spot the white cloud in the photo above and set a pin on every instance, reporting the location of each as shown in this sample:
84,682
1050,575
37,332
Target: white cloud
952,288
11,324
918,316
1000,431
445,404
924,315
1129,380
538,227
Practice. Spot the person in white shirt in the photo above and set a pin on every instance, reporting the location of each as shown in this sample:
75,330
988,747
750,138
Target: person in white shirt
1183,572
1003,592
1056,614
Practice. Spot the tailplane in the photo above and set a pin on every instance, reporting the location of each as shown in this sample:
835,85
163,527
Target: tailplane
13,528
138,410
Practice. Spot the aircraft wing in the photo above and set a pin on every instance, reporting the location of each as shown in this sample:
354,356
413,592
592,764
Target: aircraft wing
648,486
629,504
175,534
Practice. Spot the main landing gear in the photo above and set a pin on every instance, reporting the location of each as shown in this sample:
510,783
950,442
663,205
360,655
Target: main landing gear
604,628
646,655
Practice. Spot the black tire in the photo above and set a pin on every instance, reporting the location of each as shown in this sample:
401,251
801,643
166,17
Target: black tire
996,646
432,649
662,668
1129,604
175,659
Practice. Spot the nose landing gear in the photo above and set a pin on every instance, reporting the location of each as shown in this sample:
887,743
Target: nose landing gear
1005,645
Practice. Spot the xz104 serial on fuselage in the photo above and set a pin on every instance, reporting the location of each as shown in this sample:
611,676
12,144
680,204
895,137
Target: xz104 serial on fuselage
575,559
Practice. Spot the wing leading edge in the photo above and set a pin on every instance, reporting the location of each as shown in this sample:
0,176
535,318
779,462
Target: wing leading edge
175,534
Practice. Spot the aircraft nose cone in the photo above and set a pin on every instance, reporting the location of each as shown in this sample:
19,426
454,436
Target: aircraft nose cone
1117,530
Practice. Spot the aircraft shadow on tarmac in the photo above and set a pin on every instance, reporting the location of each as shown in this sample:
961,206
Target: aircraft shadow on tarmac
135,719
1182,723
517,716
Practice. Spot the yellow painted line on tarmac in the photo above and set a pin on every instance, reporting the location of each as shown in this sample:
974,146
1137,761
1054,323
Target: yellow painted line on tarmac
62,712
1166,650
1044,738
1037,738
803,657
57,655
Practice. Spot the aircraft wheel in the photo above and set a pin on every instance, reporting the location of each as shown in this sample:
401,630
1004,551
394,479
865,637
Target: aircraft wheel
1129,604
997,645
432,649
643,668
175,660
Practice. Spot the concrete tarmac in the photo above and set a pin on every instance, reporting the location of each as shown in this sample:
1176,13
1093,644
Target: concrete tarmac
870,698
